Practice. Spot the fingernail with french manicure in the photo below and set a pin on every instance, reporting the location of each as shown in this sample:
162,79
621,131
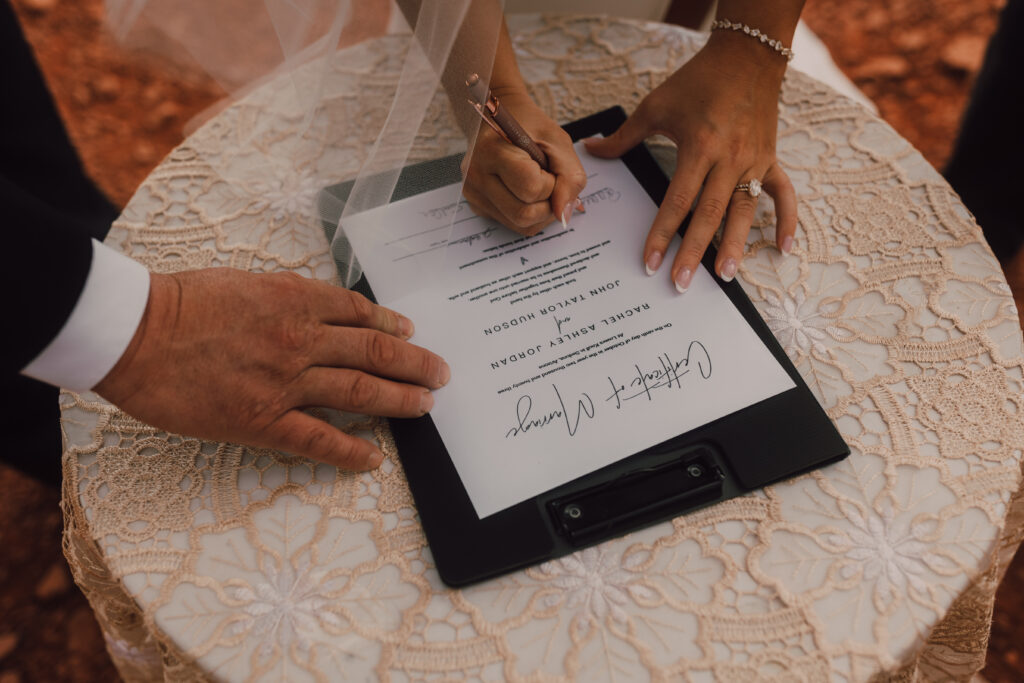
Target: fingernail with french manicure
653,262
683,279
580,206
728,269
426,402
787,245
444,375
567,213
376,458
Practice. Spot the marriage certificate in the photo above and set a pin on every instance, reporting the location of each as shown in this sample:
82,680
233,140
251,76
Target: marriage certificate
565,355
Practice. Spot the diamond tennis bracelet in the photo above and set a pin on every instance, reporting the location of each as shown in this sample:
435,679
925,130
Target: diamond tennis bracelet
754,33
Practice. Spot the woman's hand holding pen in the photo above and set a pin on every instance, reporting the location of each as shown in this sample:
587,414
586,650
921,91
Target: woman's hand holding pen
721,110
505,184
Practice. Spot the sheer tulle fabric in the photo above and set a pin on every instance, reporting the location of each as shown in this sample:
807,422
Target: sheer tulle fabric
254,48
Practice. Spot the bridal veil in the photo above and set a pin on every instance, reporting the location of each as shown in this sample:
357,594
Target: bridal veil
396,107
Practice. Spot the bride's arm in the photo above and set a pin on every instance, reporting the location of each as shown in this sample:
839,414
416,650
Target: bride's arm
721,110
502,181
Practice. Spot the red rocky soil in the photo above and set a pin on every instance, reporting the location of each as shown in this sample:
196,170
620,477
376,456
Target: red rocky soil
124,111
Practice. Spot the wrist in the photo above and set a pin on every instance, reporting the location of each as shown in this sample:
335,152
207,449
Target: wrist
123,381
771,39
513,93
742,55
510,93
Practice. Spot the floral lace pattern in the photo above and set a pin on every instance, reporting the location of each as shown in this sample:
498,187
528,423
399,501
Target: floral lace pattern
215,561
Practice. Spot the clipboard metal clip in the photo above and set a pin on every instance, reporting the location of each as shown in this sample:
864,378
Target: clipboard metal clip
637,497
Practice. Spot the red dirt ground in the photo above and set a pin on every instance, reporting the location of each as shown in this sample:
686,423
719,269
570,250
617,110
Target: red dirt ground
914,58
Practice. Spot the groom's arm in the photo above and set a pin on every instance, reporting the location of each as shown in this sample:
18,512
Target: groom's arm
109,307
228,355
218,353
48,255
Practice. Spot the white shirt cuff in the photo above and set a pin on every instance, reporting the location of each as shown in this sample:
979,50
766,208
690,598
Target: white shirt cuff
101,325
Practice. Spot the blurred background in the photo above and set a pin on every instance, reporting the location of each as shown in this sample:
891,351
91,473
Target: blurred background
915,59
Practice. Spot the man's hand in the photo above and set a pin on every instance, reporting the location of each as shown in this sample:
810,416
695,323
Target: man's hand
505,184
227,355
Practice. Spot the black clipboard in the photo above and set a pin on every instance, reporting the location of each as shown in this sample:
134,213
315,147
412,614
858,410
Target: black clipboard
775,439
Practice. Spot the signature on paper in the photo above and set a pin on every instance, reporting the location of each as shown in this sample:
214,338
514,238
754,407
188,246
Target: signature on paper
648,381
668,374
527,420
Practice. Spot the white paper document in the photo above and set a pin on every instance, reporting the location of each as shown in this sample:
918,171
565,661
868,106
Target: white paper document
565,355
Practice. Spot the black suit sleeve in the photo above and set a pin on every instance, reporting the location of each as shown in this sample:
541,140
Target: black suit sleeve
46,265
50,208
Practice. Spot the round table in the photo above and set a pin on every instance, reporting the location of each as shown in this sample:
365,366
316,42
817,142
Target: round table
213,560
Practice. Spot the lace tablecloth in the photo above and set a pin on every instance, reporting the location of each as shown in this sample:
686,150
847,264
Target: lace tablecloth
212,560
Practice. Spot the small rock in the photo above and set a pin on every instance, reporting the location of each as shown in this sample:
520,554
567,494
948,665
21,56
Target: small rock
965,53
152,94
8,642
161,115
912,87
107,87
39,6
96,11
877,17
81,94
912,40
144,152
883,66
56,581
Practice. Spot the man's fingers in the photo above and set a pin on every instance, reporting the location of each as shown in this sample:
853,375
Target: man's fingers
301,434
707,216
354,391
778,185
380,354
679,198
338,306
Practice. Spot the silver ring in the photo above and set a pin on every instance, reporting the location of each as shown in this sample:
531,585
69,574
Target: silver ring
753,188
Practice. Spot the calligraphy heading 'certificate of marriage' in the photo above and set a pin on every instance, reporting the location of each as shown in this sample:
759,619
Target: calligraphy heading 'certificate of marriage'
565,355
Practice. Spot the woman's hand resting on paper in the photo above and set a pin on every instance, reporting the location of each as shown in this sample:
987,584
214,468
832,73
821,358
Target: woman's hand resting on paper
503,183
721,110
227,355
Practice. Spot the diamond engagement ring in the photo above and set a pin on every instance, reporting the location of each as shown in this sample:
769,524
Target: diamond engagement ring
753,188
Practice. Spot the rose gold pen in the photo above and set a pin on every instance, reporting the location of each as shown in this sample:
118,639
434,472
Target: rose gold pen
503,123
